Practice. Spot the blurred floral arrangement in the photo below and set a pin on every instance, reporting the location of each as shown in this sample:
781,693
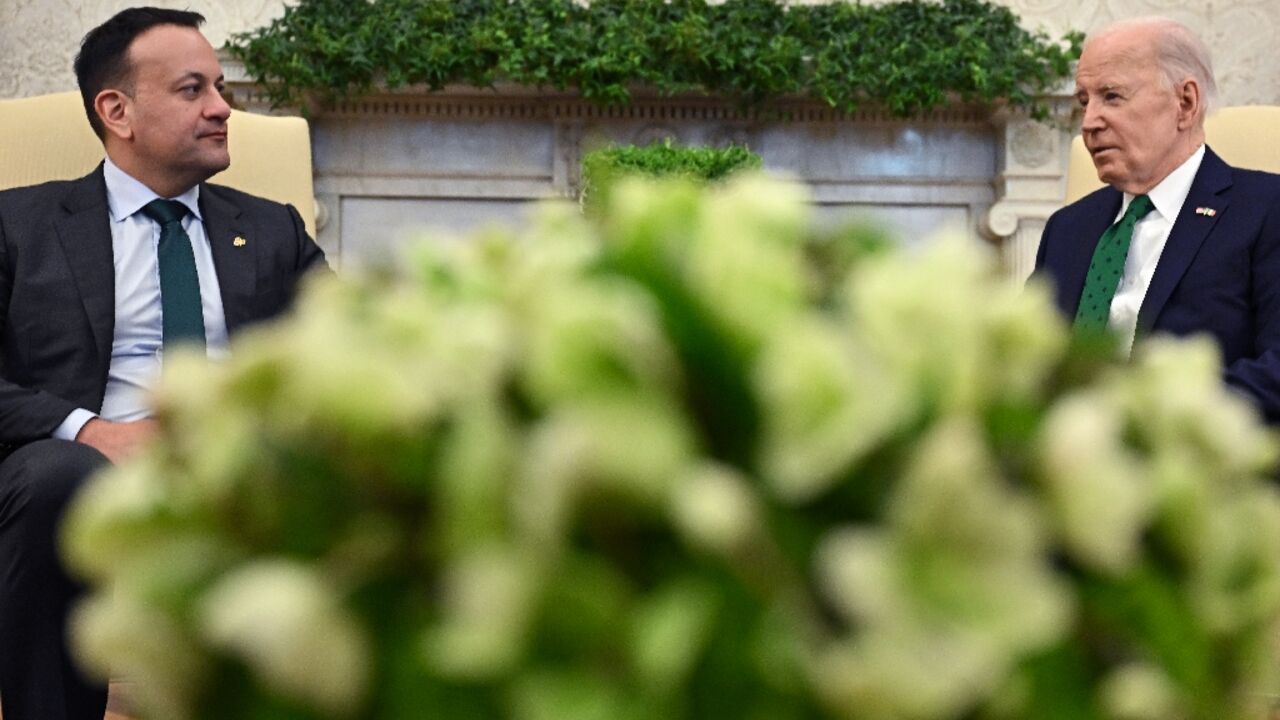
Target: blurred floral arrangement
664,465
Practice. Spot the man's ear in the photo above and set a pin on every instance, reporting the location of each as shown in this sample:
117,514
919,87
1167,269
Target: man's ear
1190,106
113,108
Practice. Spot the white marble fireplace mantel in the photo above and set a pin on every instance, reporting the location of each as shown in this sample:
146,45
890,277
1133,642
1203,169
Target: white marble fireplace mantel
390,165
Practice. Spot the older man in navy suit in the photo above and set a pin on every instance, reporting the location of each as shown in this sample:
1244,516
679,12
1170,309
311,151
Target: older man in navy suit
99,277
1179,242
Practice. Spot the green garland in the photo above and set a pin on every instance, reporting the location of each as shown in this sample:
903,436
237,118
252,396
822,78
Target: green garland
909,56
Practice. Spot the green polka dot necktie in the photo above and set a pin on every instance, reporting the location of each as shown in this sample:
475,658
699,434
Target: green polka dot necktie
1107,266
181,311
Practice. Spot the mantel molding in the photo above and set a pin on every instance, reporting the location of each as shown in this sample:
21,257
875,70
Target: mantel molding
460,102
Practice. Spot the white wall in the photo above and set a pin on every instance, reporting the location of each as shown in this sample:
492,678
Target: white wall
38,38
1240,34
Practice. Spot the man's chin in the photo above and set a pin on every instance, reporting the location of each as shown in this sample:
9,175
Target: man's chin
216,165
1109,173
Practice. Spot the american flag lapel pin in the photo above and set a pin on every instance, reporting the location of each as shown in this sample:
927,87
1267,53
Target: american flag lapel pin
1206,211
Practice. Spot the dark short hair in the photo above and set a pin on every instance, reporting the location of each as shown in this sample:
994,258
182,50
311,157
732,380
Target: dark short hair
103,60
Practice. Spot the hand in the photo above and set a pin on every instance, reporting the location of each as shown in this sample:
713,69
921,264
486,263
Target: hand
117,440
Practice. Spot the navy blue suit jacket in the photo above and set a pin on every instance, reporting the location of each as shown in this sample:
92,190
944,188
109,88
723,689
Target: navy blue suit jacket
1219,274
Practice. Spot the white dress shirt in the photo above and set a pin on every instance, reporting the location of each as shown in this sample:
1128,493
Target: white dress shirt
1149,238
136,348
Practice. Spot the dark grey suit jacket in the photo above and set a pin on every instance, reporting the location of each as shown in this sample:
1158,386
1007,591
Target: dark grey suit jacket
57,289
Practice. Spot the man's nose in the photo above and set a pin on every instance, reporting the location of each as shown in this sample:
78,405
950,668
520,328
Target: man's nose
1092,119
217,107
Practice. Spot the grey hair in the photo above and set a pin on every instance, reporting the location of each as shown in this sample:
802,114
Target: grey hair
1179,53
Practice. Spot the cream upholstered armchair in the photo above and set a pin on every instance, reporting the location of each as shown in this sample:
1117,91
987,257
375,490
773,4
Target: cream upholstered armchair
47,137
1246,136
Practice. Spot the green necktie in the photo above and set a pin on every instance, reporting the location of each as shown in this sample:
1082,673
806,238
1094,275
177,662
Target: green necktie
1107,266
181,311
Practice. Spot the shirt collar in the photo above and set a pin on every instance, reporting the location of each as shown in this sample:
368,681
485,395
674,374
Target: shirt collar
126,195
1168,196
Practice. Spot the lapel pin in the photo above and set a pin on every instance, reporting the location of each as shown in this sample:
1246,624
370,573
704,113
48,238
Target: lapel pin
1206,211
240,242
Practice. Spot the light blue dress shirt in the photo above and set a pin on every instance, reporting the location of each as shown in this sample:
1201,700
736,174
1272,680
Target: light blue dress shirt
136,350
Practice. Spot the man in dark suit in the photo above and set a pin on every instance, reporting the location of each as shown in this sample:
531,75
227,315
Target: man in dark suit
98,278
1179,242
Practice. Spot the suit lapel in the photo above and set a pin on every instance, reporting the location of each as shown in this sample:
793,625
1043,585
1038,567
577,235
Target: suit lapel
84,231
1188,234
1098,216
234,255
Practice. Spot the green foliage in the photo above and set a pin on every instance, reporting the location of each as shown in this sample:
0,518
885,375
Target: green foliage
909,56
657,466
604,167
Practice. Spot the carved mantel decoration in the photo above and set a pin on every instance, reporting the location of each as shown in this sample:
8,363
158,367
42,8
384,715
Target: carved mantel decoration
456,158
1031,182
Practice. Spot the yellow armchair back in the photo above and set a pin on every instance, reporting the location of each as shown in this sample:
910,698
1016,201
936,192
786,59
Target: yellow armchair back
1246,137
47,137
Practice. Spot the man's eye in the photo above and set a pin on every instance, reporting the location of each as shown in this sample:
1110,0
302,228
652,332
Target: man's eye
190,90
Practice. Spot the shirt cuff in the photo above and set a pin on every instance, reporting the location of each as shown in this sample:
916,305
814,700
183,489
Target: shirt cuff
71,427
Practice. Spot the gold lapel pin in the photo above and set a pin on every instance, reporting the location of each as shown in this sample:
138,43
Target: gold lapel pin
1206,211
239,241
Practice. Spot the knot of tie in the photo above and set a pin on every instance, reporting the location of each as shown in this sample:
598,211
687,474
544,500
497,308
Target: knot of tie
165,211
1138,209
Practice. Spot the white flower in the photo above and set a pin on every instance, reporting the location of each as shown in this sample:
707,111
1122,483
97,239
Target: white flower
1139,691
1235,573
549,481
649,224
1098,489
745,261
630,443
471,354
113,517
922,314
559,246
823,403
715,507
357,366
489,594
945,600
906,672
1026,337
289,627
630,446
1178,401
591,338
190,389
115,633
206,464
768,208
